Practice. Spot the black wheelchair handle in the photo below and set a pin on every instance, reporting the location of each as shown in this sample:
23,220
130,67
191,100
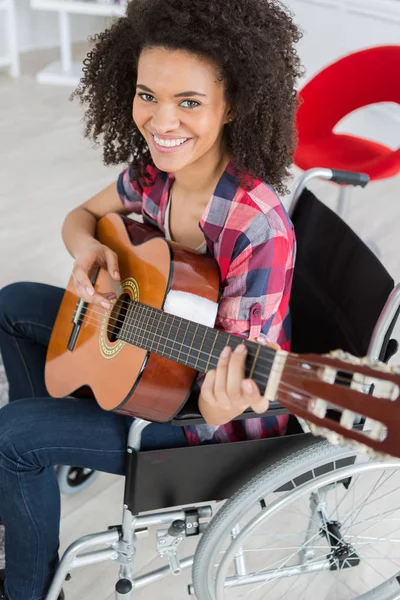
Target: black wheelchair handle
350,178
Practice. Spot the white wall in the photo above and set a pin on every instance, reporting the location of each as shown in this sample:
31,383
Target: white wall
333,28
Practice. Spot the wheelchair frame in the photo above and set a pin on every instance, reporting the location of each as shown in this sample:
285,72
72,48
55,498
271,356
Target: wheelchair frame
170,477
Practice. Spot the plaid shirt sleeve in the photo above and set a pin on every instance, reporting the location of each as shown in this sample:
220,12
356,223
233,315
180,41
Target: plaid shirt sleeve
256,291
130,192
255,301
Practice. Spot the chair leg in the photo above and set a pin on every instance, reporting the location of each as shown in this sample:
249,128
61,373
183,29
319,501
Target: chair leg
127,544
13,50
124,590
126,550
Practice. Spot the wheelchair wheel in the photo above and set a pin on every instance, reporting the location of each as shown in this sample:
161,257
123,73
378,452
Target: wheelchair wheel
321,524
72,480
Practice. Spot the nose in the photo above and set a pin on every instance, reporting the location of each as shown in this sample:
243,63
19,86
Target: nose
164,119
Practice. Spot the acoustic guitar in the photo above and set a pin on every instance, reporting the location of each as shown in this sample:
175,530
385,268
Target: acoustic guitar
141,357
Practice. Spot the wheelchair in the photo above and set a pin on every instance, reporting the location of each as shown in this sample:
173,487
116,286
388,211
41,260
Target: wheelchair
297,517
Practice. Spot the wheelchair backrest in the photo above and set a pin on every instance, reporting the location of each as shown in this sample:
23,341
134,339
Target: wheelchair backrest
339,285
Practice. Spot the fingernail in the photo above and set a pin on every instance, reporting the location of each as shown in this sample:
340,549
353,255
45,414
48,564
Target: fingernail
225,352
248,386
90,291
117,275
106,304
240,349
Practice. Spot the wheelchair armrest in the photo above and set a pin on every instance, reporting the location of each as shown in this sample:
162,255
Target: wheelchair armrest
190,414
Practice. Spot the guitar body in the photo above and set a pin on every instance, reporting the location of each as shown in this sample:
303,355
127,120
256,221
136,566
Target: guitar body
122,377
140,357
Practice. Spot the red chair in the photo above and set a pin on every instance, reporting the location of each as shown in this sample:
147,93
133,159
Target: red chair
357,80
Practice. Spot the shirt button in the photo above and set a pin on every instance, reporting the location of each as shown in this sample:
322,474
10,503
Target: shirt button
256,312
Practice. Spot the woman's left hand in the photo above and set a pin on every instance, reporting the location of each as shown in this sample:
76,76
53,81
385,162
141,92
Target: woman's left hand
226,393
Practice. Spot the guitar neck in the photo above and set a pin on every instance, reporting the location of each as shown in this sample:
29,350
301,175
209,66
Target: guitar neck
189,343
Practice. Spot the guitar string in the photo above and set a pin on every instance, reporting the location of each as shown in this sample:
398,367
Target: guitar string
307,396
289,368
130,302
262,360
330,405
145,306
187,354
304,395
155,334
142,332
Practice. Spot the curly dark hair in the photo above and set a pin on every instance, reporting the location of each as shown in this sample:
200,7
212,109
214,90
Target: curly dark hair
252,44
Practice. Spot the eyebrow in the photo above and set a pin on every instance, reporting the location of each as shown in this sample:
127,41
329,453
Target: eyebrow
180,95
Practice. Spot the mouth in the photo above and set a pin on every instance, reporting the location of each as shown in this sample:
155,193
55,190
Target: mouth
169,145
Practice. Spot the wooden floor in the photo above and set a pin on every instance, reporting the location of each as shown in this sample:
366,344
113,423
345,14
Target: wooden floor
46,170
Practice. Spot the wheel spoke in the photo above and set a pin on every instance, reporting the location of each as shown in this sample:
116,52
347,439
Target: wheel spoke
293,546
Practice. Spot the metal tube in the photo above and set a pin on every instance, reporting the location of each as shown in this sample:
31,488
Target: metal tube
265,576
68,560
239,560
135,433
148,579
174,564
160,518
88,541
386,317
302,182
91,558
127,545
385,320
343,201
307,553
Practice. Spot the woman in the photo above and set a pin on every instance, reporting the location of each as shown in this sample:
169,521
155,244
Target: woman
199,98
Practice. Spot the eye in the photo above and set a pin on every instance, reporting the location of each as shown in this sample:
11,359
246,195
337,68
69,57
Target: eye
190,104
146,97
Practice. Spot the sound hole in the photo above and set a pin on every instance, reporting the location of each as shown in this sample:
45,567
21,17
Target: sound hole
117,317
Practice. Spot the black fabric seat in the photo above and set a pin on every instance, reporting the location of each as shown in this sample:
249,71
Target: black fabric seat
339,286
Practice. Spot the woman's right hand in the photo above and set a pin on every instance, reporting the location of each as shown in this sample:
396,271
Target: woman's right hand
94,255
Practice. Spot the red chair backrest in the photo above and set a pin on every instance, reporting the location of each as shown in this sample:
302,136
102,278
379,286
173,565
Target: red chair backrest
354,81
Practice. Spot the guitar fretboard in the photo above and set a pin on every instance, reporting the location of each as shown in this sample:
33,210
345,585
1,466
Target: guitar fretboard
189,343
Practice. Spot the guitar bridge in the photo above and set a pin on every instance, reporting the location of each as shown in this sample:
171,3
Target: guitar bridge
77,319
79,315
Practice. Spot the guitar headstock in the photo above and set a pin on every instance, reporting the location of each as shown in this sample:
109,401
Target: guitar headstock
334,392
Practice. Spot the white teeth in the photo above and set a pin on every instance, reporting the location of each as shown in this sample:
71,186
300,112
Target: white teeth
169,143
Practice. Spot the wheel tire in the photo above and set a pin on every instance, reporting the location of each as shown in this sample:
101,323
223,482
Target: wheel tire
72,480
271,479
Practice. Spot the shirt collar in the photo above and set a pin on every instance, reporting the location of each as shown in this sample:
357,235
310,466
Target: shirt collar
216,212
214,217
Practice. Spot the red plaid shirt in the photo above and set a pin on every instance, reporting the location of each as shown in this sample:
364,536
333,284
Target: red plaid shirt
250,235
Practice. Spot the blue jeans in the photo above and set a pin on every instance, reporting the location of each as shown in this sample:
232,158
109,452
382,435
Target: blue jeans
38,432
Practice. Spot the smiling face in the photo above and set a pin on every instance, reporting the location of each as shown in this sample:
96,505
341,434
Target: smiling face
180,109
